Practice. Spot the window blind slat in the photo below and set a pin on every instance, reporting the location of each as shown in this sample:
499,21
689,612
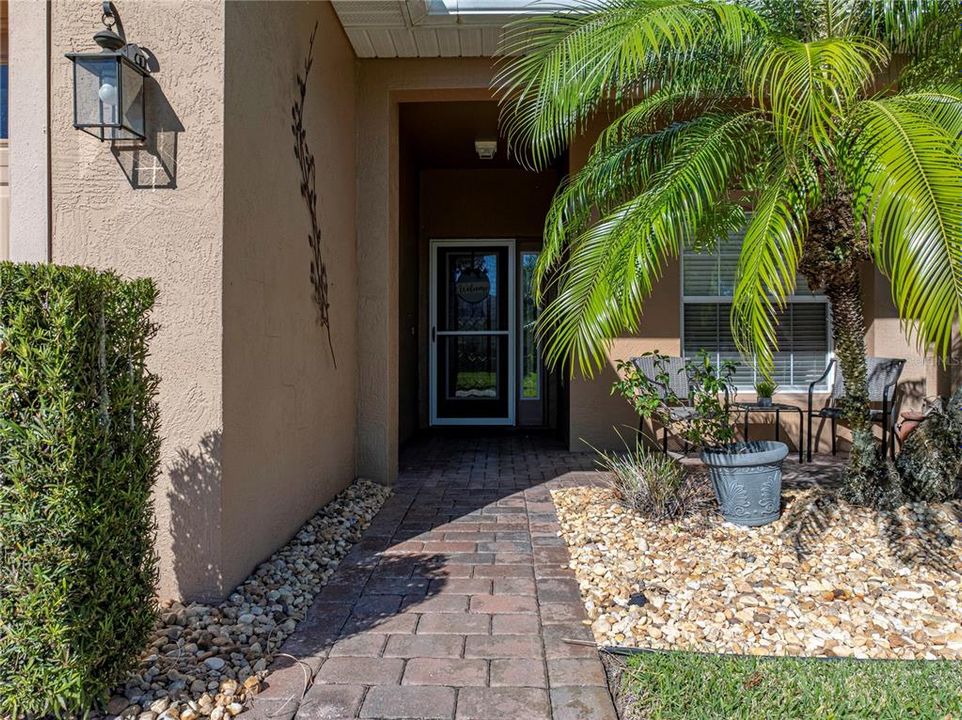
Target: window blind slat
802,330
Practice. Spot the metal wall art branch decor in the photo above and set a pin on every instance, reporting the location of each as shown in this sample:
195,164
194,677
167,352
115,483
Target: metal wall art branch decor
305,160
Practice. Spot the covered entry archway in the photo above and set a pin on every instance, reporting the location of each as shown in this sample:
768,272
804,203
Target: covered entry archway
469,234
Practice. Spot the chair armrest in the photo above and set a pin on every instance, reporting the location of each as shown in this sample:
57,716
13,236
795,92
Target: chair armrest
892,386
816,381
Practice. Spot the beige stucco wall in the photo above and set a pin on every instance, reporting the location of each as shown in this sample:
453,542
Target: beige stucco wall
886,338
258,426
381,84
28,228
171,235
595,415
289,414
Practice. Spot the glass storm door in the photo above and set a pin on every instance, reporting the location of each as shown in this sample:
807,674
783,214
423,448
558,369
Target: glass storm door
472,332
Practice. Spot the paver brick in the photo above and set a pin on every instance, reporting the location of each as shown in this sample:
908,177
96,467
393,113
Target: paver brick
385,625
451,547
461,586
454,624
424,646
361,671
453,570
363,645
515,625
576,671
424,703
505,546
436,604
447,671
504,571
330,702
582,703
558,590
503,604
513,586
503,646
397,586
559,612
503,703
376,605
516,672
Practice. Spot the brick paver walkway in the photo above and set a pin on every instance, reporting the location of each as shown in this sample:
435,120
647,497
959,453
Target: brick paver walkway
457,602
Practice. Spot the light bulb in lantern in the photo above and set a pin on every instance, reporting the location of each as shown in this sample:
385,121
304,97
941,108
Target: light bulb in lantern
108,94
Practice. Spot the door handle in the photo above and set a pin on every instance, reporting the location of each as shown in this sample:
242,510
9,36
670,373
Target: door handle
434,333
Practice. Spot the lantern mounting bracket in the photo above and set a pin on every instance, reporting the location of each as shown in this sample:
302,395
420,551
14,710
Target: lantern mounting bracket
109,93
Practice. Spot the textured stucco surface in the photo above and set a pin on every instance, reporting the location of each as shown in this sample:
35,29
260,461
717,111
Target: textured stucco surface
289,414
29,230
381,84
171,235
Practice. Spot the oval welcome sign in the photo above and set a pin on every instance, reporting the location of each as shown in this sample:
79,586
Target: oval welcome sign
472,285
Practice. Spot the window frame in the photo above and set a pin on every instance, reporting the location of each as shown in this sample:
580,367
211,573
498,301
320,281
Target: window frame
521,330
807,298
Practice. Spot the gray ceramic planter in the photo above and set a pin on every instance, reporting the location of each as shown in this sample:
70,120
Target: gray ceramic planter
748,480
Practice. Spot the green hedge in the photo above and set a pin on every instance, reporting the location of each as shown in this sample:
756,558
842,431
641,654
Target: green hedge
79,452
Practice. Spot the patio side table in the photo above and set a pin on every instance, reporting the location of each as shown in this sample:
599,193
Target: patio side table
777,408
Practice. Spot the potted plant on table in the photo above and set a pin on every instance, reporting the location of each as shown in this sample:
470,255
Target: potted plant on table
746,476
764,389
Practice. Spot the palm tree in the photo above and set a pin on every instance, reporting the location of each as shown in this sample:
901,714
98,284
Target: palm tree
792,107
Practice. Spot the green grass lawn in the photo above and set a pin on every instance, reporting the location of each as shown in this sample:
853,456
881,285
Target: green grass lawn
663,686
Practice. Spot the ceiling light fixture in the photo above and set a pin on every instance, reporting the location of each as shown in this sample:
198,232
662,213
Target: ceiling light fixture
486,149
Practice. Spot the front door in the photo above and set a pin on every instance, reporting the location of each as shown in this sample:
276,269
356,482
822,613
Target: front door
472,332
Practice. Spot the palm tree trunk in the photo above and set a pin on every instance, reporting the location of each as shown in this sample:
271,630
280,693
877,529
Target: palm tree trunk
848,332
834,250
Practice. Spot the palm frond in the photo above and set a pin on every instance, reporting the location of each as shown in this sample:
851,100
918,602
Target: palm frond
905,26
906,173
560,69
942,106
837,17
806,86
598,287
656,110
768,263
612,176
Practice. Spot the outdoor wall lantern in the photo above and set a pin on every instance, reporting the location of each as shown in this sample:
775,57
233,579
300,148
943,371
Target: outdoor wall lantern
108,86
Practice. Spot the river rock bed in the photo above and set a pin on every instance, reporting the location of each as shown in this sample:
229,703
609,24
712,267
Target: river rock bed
210,660
827,579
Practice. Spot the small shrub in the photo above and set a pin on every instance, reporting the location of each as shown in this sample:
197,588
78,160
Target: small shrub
78,456
710,391
765,388
652,484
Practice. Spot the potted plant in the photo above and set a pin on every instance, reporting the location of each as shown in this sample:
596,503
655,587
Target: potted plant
746,476
764,389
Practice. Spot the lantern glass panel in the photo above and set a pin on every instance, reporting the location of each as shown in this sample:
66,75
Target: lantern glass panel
96,93
132,99
108,97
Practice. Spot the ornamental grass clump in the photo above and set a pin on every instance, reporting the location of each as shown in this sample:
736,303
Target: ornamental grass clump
78,456
651,484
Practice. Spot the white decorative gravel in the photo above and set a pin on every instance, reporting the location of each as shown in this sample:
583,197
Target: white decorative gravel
827,579
209,660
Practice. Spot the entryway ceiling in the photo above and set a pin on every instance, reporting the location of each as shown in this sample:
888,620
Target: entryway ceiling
425,28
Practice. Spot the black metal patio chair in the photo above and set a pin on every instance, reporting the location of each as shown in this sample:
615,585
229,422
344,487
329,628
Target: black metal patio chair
677,384
883,378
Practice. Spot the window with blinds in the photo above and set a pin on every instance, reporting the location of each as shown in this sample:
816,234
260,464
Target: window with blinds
708,281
